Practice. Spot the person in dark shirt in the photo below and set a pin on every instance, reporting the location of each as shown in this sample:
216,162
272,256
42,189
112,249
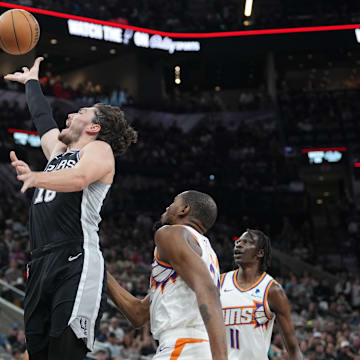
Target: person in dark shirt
345,353
66,276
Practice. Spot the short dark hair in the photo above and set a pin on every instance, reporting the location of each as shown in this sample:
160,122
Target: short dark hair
115,129
263,243
202,207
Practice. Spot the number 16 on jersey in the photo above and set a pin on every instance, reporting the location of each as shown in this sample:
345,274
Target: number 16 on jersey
44,196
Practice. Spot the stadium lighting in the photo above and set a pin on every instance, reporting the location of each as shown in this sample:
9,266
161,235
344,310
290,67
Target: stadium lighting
177,75
248,8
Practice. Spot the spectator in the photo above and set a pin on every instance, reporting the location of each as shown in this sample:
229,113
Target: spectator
112,345
4,343
345,353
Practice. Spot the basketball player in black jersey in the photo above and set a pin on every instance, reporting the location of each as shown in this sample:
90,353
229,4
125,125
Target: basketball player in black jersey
66,277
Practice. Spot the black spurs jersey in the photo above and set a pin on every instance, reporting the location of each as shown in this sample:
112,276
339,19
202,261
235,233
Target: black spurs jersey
58,217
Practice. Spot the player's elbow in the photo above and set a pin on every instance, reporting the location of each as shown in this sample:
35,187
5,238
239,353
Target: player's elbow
140,319
80,181
139,322
79,184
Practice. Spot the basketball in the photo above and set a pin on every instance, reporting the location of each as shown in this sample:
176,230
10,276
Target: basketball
19,31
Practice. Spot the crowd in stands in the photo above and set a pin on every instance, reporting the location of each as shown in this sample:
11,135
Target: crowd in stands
87,93
207,138
254,184
331,115
200,16
177,101
325,313
326,317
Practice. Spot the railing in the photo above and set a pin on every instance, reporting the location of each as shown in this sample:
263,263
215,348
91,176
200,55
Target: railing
12,288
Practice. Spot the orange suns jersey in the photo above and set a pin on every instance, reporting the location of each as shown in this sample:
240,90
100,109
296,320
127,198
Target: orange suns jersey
173,304
247,316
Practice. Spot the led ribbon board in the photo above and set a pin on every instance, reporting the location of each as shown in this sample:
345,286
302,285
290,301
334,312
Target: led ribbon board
124,36
25,137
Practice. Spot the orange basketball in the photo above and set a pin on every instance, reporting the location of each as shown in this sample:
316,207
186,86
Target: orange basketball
19,31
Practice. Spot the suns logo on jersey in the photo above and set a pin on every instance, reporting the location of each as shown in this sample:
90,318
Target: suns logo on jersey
246,315
161,274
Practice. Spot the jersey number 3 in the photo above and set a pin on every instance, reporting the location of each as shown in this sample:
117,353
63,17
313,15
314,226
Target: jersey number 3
44,196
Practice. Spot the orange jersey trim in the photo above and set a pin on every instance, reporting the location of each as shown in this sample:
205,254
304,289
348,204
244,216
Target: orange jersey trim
250,287
180,344
266,304
163,263
222,278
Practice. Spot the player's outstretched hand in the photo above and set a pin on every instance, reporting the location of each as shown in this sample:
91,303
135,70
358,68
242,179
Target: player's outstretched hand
23,172
26,74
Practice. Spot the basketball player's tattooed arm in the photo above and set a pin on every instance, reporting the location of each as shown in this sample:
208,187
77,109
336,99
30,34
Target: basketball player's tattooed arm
135,310
39,107
173,248
96,163
279,304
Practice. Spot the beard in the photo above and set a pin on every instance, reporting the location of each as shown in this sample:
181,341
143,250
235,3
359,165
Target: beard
158,224
65,138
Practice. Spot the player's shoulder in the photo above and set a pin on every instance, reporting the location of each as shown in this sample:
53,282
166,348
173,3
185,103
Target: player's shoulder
226,275
171,234
170,229
276,288
98,145
277,298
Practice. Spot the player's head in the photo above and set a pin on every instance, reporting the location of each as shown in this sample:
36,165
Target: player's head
101,122
191,207
253,246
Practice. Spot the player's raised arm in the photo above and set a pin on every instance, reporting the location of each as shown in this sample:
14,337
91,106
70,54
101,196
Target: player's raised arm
173,248
279,304
39,107
135,310
96,163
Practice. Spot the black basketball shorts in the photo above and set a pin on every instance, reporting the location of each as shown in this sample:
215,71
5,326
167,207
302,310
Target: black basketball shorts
66,286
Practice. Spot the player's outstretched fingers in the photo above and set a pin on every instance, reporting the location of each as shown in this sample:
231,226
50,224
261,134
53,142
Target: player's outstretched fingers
37,62
21,170
13,156
13,77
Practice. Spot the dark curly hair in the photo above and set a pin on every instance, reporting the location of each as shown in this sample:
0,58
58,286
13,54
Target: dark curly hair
263,243
115,129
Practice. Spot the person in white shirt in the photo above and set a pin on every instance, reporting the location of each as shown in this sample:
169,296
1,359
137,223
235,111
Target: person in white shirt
251,300
183,305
